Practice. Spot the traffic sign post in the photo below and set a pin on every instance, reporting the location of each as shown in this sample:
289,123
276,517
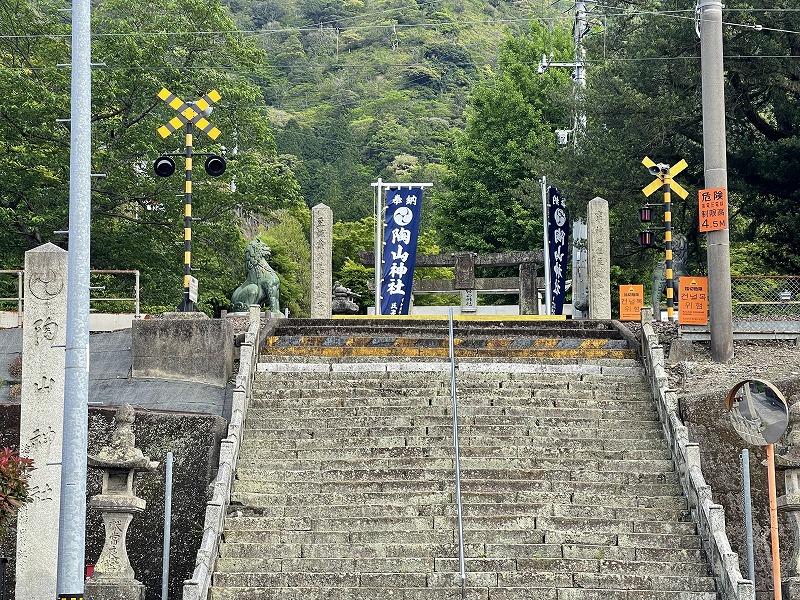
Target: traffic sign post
192,115
664,180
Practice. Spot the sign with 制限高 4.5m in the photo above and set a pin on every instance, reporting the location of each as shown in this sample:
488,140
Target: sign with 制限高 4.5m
713,207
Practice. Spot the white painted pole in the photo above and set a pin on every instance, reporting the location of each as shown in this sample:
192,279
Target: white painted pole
548,302
378,244
72,516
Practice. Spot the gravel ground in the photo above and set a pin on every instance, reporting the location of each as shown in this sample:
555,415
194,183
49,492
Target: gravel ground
772,360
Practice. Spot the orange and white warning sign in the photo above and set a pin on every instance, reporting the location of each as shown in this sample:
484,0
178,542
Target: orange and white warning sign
693,301
713,204
631,301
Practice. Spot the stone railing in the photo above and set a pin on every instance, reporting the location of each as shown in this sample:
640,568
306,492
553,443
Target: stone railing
709,517
197,587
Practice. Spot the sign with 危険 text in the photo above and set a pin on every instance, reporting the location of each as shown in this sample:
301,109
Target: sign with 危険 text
713,206
631,301
693,301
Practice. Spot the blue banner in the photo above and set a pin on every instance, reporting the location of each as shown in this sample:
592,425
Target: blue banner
401,229
558,238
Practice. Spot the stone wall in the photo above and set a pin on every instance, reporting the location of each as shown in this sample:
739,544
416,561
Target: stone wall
706,418
194,441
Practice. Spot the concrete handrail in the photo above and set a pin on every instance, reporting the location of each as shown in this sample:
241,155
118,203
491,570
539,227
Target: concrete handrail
709,517
198,586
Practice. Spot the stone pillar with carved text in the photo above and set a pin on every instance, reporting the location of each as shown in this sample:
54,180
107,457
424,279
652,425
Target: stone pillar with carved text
41,418
321,255
599,248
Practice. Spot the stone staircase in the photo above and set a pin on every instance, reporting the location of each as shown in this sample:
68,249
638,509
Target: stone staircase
345,483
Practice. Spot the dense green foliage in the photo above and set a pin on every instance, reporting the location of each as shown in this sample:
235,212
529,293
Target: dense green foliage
137,218
320,98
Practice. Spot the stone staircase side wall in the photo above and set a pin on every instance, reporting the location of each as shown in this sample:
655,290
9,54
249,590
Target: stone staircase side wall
710,517
197,587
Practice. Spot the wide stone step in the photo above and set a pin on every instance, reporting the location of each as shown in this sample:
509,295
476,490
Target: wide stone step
319,505
435,416
525,407
587,449
520,445
461,323
508,593
520,401
438,346
543,427
548,472
559,500
343,593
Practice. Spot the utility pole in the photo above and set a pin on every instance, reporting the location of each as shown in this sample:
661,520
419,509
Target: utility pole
716,176
72,515
578,66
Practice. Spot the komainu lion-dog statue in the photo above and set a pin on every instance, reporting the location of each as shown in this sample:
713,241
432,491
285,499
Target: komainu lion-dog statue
262,286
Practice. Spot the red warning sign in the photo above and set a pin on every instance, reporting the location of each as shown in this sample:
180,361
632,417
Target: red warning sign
693,301
713,204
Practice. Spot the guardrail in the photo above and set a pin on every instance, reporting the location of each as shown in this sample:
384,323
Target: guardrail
198,586
710,517
20,297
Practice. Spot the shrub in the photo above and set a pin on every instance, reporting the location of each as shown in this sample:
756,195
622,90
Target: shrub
14,490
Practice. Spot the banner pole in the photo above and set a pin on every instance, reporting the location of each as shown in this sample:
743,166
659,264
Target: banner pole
378,245
548,301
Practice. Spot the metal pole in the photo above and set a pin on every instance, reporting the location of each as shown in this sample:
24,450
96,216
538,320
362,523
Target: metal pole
136,291
378,245
668,274
3,567
716,176
187,305
748,515
167,527
461,562
580,71
72,516
546,237
20,293
773,523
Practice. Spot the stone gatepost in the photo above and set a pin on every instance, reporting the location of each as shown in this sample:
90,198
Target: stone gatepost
599,249
113,576
321,256
42,419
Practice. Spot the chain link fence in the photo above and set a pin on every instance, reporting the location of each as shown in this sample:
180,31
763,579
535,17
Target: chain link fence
766,296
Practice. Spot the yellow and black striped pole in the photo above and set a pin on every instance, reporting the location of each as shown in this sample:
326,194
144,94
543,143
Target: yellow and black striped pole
665,179
668,274
189,114
187,305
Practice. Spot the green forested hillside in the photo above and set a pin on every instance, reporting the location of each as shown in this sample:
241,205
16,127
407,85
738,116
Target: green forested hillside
370,89
322,97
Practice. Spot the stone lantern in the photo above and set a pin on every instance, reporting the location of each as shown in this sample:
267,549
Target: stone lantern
113,576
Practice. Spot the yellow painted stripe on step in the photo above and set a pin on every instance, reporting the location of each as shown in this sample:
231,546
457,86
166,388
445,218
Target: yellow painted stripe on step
593,343
458,317
529,353
498,343
545,343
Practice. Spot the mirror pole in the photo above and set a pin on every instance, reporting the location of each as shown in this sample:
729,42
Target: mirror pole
773,522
